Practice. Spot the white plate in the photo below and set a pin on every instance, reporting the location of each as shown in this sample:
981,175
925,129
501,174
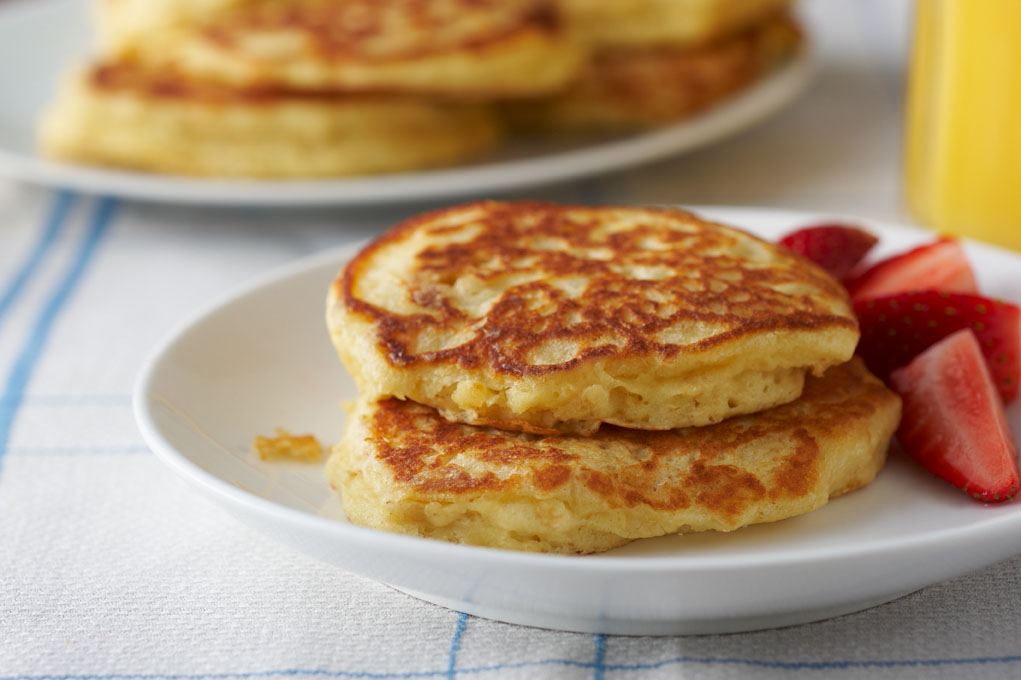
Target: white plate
39,39
261,358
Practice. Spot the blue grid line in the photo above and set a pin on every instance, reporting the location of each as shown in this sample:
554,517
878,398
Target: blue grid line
600,667
24,364
455,645
52,226
476,670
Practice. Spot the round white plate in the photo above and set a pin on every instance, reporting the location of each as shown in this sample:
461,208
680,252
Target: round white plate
261,359
39,39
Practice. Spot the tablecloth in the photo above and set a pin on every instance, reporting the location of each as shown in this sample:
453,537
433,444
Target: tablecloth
113,569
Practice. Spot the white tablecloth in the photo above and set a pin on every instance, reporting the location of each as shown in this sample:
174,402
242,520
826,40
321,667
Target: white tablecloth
111,568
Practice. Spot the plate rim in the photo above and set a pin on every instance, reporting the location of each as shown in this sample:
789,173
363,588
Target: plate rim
1003,525
741,111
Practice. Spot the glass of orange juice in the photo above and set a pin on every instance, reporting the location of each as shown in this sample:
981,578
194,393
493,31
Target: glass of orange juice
963,144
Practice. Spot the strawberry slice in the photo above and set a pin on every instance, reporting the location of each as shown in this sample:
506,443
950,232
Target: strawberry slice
837,248
896,328
953,422
941,265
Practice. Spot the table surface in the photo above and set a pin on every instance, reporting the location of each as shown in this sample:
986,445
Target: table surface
112,568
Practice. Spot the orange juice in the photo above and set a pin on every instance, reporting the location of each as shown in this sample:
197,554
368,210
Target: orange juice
963,149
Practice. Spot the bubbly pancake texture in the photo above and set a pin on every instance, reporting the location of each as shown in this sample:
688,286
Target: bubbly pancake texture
124,115
624,88
123,26
542,317
454,48
657,23
403,468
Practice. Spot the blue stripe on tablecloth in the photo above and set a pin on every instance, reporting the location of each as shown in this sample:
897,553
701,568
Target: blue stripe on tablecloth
455,644
24,364
477,670
600,668
51,228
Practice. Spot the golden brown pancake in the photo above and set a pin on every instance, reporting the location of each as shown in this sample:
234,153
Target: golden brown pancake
401,467
629,87
541,317
454,48
124,115
658,23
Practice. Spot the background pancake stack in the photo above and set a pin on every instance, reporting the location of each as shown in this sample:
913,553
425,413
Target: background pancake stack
657,61
304,88
316,88
567,379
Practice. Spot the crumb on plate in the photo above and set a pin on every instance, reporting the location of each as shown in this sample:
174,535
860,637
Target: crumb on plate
287,446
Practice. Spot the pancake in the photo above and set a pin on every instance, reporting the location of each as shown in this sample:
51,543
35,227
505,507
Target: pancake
540,317
123,26
452,48
656,23
624,88
401,467
123,115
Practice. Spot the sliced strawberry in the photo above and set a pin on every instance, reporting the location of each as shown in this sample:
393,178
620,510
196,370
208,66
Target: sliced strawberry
837,248
941,265
897,328
953,421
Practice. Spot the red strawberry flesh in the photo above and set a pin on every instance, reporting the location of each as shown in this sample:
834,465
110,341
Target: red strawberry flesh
837,248
953,422
896,328
941,265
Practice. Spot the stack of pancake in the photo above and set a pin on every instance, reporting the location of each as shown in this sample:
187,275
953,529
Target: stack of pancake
304,88
567,379
315,88
656,61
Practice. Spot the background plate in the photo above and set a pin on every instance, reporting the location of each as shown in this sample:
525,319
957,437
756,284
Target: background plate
39,39
261,358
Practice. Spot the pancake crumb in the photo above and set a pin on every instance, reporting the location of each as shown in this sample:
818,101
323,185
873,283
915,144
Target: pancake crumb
286,446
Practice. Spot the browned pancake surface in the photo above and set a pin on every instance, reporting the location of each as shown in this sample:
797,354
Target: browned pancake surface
417,446
366,29
462,49
402,467
577,275
168,84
